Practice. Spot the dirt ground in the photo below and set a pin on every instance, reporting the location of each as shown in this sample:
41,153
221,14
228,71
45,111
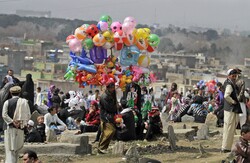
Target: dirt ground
187,152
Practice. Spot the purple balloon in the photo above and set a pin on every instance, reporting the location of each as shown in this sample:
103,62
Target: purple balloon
98,54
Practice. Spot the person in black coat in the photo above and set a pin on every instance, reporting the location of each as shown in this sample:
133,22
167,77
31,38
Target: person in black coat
41,127
32,135
28,87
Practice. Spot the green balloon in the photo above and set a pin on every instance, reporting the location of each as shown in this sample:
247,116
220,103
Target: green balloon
153,40
88,43
106,18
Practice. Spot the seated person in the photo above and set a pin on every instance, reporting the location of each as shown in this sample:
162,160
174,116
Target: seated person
126,131
41,127
153,125
32,135
52,122
242,147
92,119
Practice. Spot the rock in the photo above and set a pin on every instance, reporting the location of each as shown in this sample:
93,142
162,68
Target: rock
51,136
187,118
118,148
211,119
172,138
34,116
213,133
202,133
148,160
163,139
132,155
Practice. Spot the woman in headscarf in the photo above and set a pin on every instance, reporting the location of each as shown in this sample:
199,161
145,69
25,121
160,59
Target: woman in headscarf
28,87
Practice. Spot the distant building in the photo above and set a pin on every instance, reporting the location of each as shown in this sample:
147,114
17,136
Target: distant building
30,13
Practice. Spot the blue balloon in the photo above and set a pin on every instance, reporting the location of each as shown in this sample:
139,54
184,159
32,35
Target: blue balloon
83,59
89,68
129,55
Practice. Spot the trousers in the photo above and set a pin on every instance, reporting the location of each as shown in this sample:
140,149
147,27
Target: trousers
107,132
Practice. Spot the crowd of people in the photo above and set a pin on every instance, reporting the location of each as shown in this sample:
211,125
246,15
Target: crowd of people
135,116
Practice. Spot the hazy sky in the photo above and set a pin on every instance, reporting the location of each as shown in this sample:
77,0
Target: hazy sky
233,14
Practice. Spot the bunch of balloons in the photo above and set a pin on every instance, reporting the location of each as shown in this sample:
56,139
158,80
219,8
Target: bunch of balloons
210,86
92,65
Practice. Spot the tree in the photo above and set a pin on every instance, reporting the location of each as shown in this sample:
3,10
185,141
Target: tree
211,34
166,45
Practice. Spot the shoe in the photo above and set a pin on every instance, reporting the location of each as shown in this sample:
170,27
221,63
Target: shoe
225,151
93,142
102,151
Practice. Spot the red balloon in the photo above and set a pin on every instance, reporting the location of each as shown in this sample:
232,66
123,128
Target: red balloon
92,30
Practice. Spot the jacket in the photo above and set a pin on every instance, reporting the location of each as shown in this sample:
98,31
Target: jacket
242,151
228,106
108,107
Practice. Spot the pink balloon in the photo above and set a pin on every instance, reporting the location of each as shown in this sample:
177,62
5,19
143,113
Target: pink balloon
116,26
127,28
75,45
130,20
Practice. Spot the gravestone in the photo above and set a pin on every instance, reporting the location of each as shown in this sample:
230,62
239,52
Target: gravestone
118,148
202,133
172,138
51,136
201,149
211,119
34,116
132,155
187,118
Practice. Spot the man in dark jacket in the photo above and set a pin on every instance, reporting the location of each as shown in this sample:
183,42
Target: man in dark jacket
108,109
231,110
32,135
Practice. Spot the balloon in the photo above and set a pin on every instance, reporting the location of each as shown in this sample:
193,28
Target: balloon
70,37
127,28
129,55
99,40
150,49
119,37
143,60
129,40
83,59
119,46
85,26
148,31
102,26
106,18
88,43
108,35
89,68
98,54
116,26
92,30
142,44
130,20
69,75
75,45
80,33
140,34
153,40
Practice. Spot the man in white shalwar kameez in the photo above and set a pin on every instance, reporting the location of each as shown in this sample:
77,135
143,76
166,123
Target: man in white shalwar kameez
16,113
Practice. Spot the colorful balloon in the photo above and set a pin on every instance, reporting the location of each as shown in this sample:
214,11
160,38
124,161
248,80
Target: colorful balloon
102,26
129,55
108,35
153,40
70,37
129,40
98,54
106,18
99,40
116,26
80,33
131,21
75,45
143,60
88,43
92,30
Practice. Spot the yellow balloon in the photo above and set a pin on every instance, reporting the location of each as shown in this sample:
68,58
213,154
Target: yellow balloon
108,35
148,31
143,60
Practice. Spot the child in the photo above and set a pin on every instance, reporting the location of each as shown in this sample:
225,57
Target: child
242,148
174,107
132,97
41,127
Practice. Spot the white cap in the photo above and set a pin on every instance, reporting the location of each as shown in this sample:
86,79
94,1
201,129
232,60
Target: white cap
228,71
31,123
